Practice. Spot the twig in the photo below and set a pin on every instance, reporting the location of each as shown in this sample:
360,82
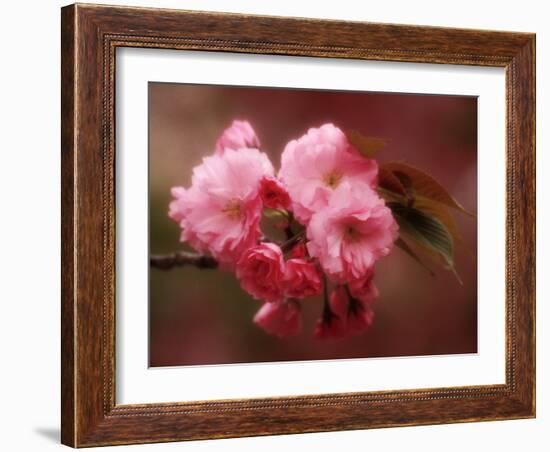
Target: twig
327,312
180,259
183,258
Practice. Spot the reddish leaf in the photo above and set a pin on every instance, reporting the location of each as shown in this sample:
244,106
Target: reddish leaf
426,231
423,185
389,181
367,146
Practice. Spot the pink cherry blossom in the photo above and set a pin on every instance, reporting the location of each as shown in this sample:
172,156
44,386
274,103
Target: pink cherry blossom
332,324
364,288
281,319
345,315
298,251
261,270
339,302
238,135
302,279
274,194
353,232
326,185
330,328
360,316
313,166
356,314
176,211
221,212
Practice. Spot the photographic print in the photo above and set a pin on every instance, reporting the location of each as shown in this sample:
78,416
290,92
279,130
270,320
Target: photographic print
295,224
276,225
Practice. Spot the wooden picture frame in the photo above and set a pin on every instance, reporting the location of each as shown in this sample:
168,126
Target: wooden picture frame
90,36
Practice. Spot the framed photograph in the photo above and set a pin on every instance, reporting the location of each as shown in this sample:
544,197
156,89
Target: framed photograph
282,225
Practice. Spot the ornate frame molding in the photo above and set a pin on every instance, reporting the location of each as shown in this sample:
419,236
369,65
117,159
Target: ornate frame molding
90,37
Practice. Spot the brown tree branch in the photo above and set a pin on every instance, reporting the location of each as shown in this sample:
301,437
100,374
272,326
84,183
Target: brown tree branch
181,259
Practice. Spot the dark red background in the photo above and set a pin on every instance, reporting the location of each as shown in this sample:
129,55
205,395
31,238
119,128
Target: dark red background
203,317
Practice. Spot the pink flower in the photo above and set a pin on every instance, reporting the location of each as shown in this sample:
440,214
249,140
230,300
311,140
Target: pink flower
360,316
282,319
364,288
357,314
353,232
313,166
331,327
176,210
221,212
299,250
274,194
345,315
339,302
302,279
332,324
362,294
238,135
261,270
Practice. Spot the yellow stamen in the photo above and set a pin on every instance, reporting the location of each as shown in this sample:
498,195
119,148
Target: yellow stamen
332,180
233,209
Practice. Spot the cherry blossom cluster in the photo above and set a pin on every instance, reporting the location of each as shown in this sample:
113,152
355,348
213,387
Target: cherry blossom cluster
324,196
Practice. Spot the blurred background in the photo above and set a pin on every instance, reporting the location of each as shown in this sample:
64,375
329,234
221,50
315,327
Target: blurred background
199,317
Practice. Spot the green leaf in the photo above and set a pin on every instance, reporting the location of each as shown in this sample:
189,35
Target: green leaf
418,184
426,231
367,146
439,211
